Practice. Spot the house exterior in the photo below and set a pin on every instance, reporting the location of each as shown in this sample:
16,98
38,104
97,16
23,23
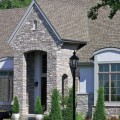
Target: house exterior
36,44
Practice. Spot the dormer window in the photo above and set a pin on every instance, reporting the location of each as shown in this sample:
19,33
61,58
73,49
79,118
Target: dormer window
34,25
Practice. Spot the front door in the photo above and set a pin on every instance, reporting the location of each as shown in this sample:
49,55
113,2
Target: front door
40,80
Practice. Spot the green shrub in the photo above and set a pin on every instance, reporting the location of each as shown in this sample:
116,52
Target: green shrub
88,116
55,113
99,113
38,108
7,4
15,107
68,112
79,116
46,117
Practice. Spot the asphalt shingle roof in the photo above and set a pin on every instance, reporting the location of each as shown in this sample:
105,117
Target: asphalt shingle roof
103,32
9,19
69,18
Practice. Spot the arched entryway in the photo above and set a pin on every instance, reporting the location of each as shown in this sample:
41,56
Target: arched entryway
36,69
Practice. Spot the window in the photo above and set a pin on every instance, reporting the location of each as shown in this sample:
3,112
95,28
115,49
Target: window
109,79
6,85
44,63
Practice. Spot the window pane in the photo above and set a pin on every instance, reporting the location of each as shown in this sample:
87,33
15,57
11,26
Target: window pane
106,90
118,76
118,91
101,83
113,84
118,83
113,97
115,67
6,89
103,80
44,63
106,97
100,76
113,76
118,98
113,90
106,83
104,68
106,76
11,73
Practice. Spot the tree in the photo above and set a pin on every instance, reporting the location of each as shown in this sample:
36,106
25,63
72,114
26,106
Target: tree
99,113
55,113
15,107
7,4
38,108
113,4
68,112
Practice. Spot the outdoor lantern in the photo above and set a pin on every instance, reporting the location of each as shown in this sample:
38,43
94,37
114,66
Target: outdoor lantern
73,64
74,61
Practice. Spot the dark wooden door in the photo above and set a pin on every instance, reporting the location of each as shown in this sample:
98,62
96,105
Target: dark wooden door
44,92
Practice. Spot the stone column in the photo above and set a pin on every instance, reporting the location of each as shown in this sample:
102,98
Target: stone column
51,77
20,81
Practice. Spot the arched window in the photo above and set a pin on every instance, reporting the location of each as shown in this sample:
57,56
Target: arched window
107,74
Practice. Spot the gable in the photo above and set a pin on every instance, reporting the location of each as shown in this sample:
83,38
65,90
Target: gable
25,38
41,18
69,17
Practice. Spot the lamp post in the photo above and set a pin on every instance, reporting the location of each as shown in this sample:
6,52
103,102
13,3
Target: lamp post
73,64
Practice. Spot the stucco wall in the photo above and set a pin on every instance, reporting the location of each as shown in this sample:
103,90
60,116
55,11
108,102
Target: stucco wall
86,79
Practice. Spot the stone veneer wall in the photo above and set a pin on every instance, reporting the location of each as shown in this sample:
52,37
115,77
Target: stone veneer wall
63,67
27,40
110,110
85,103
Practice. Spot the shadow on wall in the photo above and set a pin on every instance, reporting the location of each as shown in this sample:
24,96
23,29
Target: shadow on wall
90,104
64,85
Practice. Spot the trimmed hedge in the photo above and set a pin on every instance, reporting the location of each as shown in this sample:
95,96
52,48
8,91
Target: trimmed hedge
16,106
38,108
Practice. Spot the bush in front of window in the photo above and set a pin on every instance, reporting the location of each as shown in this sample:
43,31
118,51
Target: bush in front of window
99,113
16,106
